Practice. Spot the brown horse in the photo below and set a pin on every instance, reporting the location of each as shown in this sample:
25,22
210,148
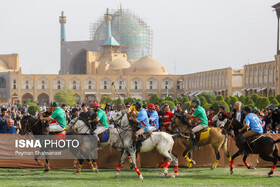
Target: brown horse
212,136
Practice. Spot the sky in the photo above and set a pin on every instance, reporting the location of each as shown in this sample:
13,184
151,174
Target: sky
189,35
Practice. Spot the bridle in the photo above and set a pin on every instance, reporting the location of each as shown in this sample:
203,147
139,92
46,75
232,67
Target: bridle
26,129
76,120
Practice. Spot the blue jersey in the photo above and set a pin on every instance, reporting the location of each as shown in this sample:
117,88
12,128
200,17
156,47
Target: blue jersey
154,119
143,120
254,122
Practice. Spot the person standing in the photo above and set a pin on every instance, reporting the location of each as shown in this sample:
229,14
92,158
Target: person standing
237,113
154,120
167,117
3,119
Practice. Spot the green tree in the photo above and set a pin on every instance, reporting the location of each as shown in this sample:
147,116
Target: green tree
217,104
129,100
203,101
270,98
249,102
263,103
33,108
219,98
170,103
274,101
186,106
233,100
258,103
105,100
254,97
242,99
227,100
118,102
185,99
154,99
278,98
210,101
169,98
208,95
66,96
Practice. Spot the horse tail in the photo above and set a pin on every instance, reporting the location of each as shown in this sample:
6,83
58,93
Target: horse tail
277,141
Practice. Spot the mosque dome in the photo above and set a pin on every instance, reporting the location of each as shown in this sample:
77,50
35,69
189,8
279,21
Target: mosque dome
131,32
147,66
3,65
119,63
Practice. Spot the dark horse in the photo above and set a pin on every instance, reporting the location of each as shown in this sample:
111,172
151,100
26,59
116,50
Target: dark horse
265,146
37,127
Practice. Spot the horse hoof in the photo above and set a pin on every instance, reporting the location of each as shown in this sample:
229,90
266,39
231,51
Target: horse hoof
74,173
231,172
176,174
46,170
193,162
96,171
165,172
252,167
270,174
172,176
141,177
116,175
212,168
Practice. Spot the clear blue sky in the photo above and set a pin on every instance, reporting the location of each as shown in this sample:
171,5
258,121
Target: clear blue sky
197,35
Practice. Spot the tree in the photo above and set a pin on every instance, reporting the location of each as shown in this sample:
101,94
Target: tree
270,98
278,98
227,100
129,100
210,101
66,96
258,103
185,99
154,99
274,101
105,100
254,97
186,106
203,101
33,108
249,102
233,100
169,98
170,103
208,95
219,98
118,102
242,99
217,104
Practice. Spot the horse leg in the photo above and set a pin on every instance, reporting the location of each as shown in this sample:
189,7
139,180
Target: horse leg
175,161
39,162
47,164
232,160
123,157
93,165
75,162
133,158
218,156
227,153
269,158
188,156
79,168
246,163
165,153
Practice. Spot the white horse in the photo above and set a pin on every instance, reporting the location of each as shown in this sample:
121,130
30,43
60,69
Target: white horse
121,140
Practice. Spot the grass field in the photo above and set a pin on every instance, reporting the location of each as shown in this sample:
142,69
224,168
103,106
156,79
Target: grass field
152,177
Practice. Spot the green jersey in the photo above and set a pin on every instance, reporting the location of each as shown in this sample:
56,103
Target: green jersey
101,115
201,114
60,116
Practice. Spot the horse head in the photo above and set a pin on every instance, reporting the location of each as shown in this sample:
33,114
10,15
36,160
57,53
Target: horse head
233,125
119,119
77,125
180,123
29,123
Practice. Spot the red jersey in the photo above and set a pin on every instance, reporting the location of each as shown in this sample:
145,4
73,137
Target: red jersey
167,118
210,122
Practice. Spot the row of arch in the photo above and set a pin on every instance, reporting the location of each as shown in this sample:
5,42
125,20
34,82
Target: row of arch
208,80
259,75
90,84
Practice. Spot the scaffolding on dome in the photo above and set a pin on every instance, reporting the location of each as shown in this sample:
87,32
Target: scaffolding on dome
133,33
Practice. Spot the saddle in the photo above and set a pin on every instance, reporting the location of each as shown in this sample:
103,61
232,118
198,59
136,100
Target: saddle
252,139
104,136
142,138
203,134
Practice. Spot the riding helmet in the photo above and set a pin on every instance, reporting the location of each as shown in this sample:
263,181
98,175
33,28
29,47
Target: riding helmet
95,104
54,104
196,101
138,104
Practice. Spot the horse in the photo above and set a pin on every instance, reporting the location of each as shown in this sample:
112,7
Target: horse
263,146
121,140
29,123
212,136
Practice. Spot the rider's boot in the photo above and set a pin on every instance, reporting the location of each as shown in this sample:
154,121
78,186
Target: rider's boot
195,141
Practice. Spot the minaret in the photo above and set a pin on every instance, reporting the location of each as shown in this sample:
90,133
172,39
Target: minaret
110,40
62,21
